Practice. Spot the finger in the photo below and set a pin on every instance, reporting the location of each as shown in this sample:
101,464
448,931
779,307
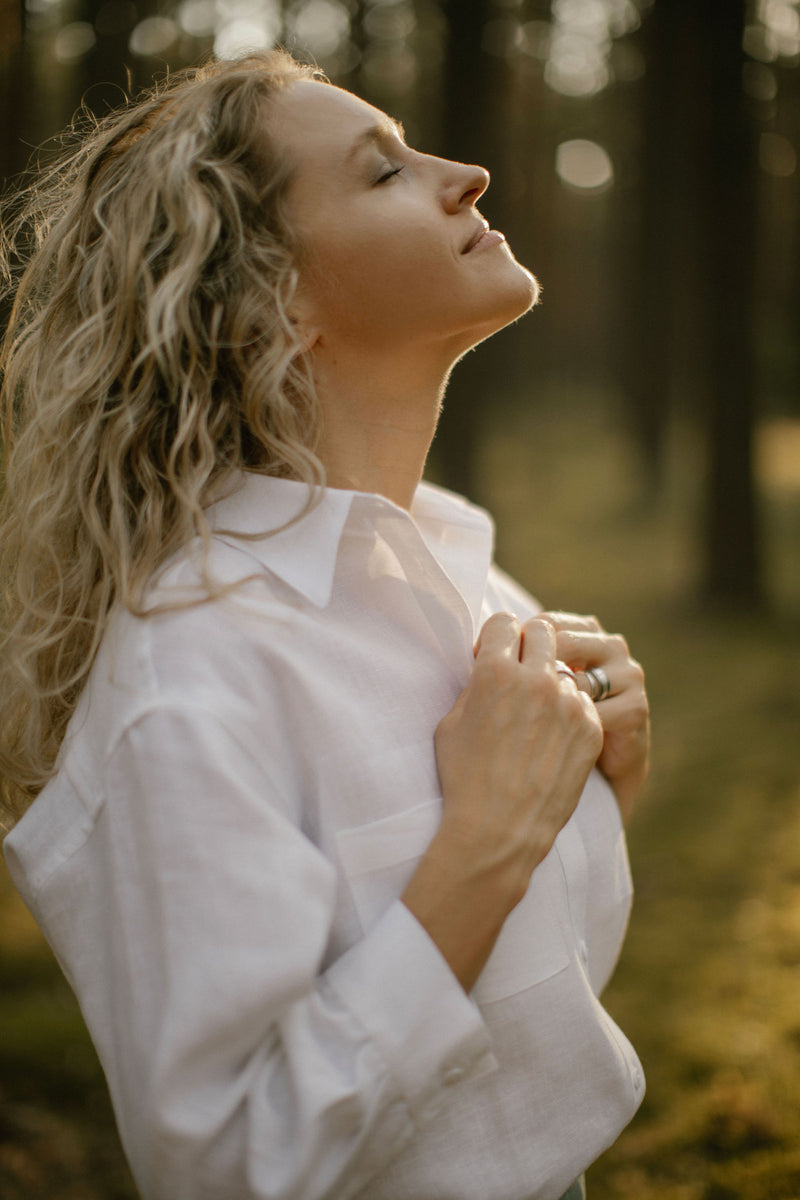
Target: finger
625,679
618,714
501,635
538,643
595,683
563,669
576,621
581,649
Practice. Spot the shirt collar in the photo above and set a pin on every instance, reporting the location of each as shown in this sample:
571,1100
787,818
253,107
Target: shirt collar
304,551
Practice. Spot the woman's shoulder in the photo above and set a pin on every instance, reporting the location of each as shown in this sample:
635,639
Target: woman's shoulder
204,626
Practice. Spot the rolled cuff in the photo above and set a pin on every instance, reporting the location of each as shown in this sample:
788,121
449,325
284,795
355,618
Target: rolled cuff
430,1034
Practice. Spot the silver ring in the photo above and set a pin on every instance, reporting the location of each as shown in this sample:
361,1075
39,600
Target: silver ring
599,684
563,669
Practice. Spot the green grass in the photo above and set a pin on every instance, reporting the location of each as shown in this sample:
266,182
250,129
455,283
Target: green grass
708,988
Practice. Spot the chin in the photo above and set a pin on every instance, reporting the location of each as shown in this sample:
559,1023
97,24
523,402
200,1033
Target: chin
513,304
528,287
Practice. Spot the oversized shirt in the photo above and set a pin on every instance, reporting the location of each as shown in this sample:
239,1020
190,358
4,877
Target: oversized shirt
244,791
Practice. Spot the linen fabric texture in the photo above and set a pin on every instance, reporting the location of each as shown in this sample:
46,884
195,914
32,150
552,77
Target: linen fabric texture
244,791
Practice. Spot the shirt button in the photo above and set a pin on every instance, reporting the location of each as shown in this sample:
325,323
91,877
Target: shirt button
452,1075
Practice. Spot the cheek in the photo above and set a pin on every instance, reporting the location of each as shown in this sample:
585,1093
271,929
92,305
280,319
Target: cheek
375,272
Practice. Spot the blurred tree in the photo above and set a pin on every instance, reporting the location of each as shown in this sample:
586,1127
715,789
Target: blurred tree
692,312
726,165
11,19
466,130
473,88
648,363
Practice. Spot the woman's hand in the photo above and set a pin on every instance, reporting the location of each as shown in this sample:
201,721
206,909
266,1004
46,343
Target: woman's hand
582,643
516,749
513,754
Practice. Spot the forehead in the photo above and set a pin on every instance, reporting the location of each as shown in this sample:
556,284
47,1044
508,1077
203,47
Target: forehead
312,119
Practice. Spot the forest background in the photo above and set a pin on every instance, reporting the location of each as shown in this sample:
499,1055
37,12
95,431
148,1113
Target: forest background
638,441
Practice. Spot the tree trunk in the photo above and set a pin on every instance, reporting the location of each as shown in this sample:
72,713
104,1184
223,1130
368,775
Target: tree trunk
11,156
651,281
726,174
468,121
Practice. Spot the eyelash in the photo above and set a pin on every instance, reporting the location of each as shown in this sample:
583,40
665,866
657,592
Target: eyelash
390,175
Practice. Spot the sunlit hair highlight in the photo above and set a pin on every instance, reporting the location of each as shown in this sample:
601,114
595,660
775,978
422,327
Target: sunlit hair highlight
149,358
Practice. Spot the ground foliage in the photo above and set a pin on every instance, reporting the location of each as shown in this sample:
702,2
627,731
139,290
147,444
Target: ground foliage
709,980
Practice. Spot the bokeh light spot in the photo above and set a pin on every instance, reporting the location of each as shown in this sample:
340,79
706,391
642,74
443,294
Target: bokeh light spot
577,66
42,6
240,35
388,22
73,41
197,17
776,155
584,166
153,36
321,26
582,16
536,38
759,81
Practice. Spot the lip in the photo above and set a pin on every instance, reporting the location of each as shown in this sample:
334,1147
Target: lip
483,238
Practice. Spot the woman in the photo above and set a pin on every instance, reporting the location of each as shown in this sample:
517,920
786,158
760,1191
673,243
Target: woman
326,835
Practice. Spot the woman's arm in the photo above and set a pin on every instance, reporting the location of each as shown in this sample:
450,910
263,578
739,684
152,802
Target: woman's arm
513,757
237,1066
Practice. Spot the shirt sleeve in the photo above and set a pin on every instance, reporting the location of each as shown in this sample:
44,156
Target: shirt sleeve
236,1066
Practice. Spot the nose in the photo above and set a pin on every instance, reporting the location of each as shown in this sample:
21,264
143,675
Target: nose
464,185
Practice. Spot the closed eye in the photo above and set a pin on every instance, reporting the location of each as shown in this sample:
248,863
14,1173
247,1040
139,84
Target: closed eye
389,175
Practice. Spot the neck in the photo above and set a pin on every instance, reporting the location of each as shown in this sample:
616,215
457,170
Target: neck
379,419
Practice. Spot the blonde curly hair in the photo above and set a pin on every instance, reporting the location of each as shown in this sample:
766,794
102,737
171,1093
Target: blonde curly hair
149,356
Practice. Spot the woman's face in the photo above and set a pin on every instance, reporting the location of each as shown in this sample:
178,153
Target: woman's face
391,237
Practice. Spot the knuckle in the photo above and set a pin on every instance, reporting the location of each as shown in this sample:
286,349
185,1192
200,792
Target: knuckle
580,709
566,639
537,624
618,644
636,714
502,620
593,737
555,618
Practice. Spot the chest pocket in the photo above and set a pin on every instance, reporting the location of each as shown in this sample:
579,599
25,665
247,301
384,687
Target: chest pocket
379,858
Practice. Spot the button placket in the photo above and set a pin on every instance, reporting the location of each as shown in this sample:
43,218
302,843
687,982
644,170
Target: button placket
441,603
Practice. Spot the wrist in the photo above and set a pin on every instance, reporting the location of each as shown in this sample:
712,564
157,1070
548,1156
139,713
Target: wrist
462,900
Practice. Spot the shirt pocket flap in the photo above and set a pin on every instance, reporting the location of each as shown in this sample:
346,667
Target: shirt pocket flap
379,858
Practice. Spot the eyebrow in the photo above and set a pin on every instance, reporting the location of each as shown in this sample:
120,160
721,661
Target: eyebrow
380,134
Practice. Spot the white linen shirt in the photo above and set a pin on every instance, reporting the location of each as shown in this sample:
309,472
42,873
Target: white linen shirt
244,791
